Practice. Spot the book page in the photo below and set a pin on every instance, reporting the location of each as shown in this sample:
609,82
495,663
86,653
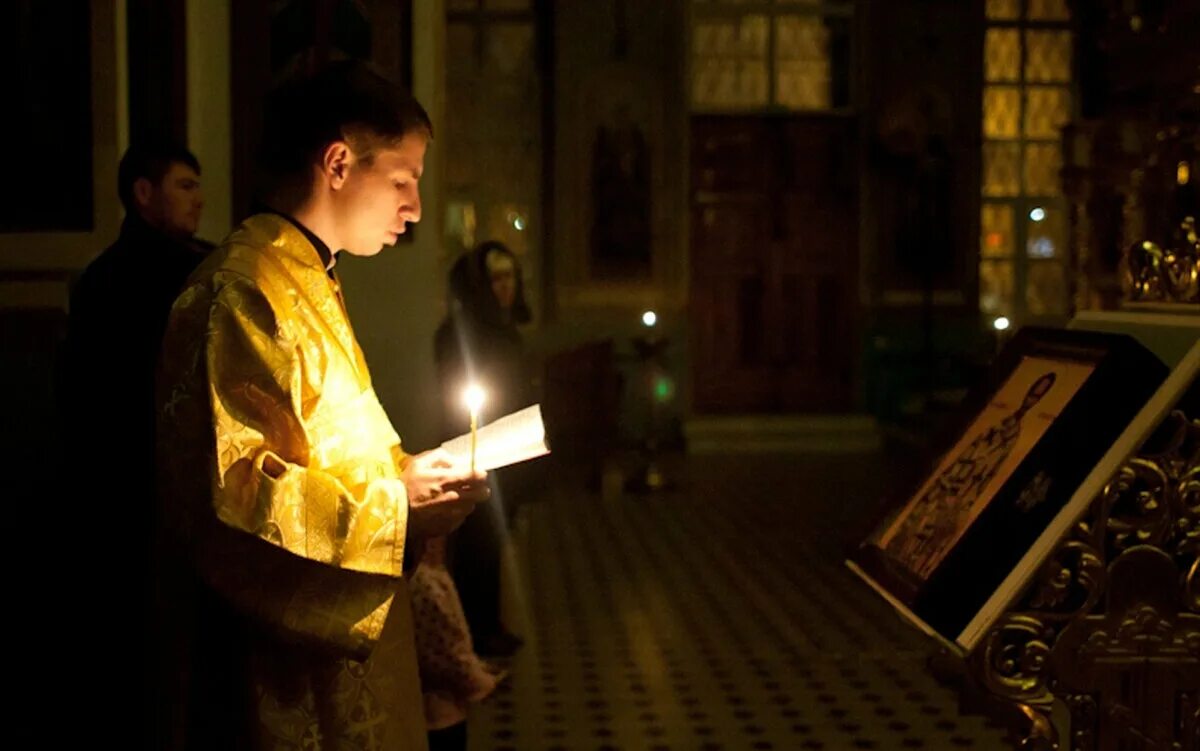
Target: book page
510,439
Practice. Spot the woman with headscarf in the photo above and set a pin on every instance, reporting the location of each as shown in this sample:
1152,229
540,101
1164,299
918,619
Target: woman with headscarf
479,342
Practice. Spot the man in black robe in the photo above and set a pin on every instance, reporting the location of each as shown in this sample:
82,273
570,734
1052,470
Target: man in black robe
117,316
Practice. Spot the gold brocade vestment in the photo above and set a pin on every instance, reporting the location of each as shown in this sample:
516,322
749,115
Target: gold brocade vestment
280,479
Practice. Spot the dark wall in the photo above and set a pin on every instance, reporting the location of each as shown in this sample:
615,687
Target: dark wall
157,50
50,129
922,103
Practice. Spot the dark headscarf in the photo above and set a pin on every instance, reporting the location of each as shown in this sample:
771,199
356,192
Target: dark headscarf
471,290
477,341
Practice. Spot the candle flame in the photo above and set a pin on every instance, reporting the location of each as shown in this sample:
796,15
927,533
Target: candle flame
473,397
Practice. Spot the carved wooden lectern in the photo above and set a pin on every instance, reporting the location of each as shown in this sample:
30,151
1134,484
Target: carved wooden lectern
1111,626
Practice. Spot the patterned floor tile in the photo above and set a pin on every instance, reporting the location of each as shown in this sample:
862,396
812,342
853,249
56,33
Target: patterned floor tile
718,615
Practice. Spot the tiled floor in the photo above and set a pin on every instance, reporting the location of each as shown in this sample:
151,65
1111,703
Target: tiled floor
714,616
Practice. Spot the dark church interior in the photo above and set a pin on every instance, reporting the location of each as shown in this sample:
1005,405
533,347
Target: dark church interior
865,334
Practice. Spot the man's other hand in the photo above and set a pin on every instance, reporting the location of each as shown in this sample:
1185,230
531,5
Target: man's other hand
441,492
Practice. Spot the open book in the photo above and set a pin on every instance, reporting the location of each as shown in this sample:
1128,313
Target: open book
508,440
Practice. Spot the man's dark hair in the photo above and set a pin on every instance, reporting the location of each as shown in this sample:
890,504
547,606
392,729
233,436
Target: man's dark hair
151,160
343,101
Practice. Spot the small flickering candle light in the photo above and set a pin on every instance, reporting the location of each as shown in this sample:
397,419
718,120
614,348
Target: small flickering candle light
473,398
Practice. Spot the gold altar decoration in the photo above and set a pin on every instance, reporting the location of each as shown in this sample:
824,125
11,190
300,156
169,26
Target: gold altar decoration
1162,265
1111,626
1132,157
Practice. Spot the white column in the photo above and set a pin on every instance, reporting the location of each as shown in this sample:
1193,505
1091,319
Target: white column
209,120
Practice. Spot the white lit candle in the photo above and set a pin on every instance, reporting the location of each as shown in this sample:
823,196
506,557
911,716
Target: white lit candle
473,398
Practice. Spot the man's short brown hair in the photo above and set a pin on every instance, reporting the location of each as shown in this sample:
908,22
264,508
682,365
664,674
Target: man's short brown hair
150,159
343,101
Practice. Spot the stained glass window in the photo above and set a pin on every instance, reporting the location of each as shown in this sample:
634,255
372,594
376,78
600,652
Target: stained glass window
802,62
1047,56
765,54
1046,232
996,285
731,58
1001,111
494,143
1047,109
1003,10
1049,10
1002,55
1001,169
996,236
1043,163
1026,102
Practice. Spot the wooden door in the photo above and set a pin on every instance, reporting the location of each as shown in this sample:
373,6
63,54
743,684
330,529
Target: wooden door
774,263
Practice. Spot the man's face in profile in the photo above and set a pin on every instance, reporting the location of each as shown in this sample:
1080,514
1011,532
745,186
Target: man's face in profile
381,196
175,204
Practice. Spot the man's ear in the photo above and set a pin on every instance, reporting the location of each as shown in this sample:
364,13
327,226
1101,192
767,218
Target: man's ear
335,163
143,192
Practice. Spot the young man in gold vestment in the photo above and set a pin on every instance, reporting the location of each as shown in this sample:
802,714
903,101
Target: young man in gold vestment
283,482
